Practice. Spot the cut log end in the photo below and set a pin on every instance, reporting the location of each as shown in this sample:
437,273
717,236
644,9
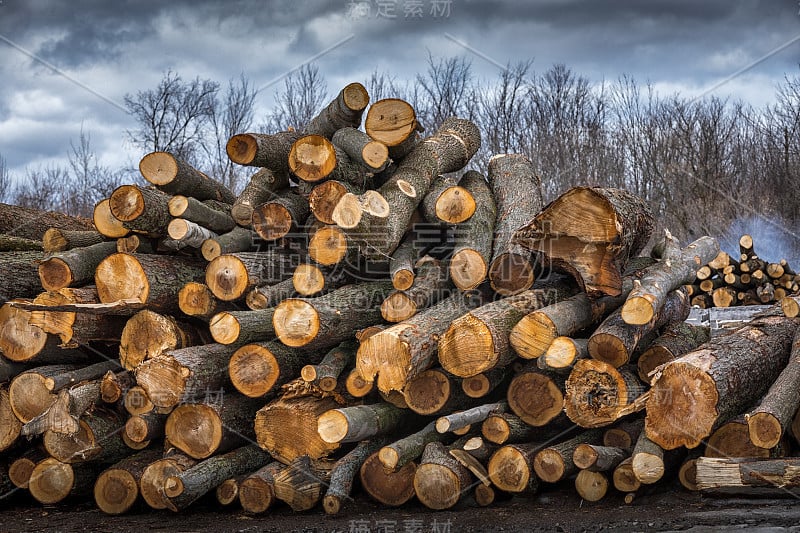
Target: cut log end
609,349
195,299
397,307
224,328
332,426
126,203
535,398
591,486
308,279
467,269
312,158
106,223
390,121
55,274
195,429
296,322
637,311
256,495
509,470
227,277
765,430
388,458
375,154
496,429
549,465
466,348
159,168
476,386
648,468
115,491
272,221
121,277
584,456
403,279
511,273
355,97
51,481
136,429
533,335
242,148
20,340
328,245
455,205
437,486
253,370
332,504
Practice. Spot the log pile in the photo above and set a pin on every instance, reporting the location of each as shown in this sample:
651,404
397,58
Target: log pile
363,309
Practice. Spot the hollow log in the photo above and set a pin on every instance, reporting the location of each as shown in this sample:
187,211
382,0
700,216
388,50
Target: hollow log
361,148
392,488
597,393
677,339
257,491
326,374
175,176
267,296
287,428
717,381
148,334
440,480
117,487
257,369
239,239
430,284
590,233
554,463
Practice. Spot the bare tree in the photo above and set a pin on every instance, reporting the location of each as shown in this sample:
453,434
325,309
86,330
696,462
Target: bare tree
44,188
381,85
304,93
5,180
446,89
89,181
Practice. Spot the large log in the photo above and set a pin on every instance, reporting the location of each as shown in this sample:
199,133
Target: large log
677,339
590,233
287,428
19,275
20,244
22,341
440,480
399,353
117,488
479,340
59,240
537,396
257,491
148,334
392,488
213,215
344,473
677,267
30,223
259,368
230,276
732,439
175,176
472,249
746,475
716,382
517,189
322,322
431,283
596,392
511,468
154,280
344,111
53,481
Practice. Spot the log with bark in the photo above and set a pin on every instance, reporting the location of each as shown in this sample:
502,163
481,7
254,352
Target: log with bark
151,484
239,239
21,468
714,383
597,393
344,473
196,300
328,246
431,283
258,369
140,209
267,296
396,455
625,434
440,480
401,263
732,439
482,384
31,223
146,427
19,275
19,244
117,487
106,223
59,240
148,334
508,428
285,211
447,202
257,490
554,463
598,458
389,487
361,148
344,111
175,176
591,486
183,233
325,375
53,481
287,428
472,249
537,396
230,327
563,354
677,339
434,392
10,425
99,439
353,424
747,476
114,385
263,150
391,121
231,275
474,415
650,462
324,197
211,214
314,158
590,233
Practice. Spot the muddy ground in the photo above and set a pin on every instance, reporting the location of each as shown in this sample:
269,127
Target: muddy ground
559,510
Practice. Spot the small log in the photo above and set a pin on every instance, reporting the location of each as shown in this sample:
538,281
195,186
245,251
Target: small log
215,425
53,481
148,334
267,296
687,474
140,209
114,386
563,354
263,150
396,455
472,249
185,233
227,492
401,264
615,342
136,243
361,148
517,189
391,488
239,239
257,491
434,392
287,428
507,428
180,375
554,463
328,246
175,176
723,297
447,202
471,416
596,392
649,461
590,233
717,381
768,422
59,240
10,425
344,111
326,374
99,439
152,279
146,427
430,284
537,397
353,424
344,473
188,486
283,212
322,322
154,477
212,215
324,197
117,487
196,300
440,480
481,451
485,496
357,386
625,434
230,276
106,223
591,486
598,458
511,468
259,189
747,475
257,369
676,340
623,477
20,469
137,402
479,340
482,384
229,327
732,439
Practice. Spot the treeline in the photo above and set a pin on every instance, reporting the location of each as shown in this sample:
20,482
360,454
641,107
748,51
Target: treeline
704,164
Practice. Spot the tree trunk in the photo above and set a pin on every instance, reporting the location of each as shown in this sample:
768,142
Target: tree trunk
226,421
53,481
440,480
215,216
511,468
325,375
748,476
447,202
462,419
267,296
434,392
598,458
30,223
615,342
260,368
106,223
314,158
283,212
141,210
180,375
732,439
20,244
354,424
257,491
155,280
263,150
391,488
710,385
508,428
323,322
328,246
555,463
396,455
518,192
401,264
344,473
344,111
59,240
472,249
230,276
596,392
769,421
117,488
324,197
174,176
19,275
361,148
99,439
196,300
154,477
563,354
188,486
479,340
430,283
536,396
590,233
240,327
287,428
400,353
239,239
677,339
148,334
146,427
183,233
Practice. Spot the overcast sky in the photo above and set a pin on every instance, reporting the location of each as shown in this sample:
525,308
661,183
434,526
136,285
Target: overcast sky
67,64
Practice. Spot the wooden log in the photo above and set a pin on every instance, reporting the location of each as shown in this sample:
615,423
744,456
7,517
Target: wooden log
468,417
687,473
10,425
10,243
624,434
53,481
185,233
396,455
344,472
260,188
598,458
615,342
283,212
175,176
479,340
430,284
152,279
324,197
328,246
146,427
677,339
99,439
74,328
19,275
322,322
117,487
314,158
401,264
63,415
391,121
511,468
623,477
106,223
325,375
597,393
434,392
196,300
615,223
263,150
24,342
448,202
356,386
723,297
507,428
239,239
746,475
472,249
59,240
230,276
180,375
114,385
287,428
732,439
154,477
482,384
768,422
227,492
257,491
448,150
300,484
650,461
31,223
136,243
392,488
440,480
554,463
229,327
140,209
563,354
217,424
717,381
21,468
537,396
267,296
677,267
137,402
188,486
148,334
361,148
344,111
212,215
517,190
357,423
400,353
591,486
257,369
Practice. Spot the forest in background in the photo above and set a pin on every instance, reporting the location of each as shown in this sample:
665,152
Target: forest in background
706,165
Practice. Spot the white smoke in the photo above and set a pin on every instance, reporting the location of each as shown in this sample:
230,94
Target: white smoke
773,240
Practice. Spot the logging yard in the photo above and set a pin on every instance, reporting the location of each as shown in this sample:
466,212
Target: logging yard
376,335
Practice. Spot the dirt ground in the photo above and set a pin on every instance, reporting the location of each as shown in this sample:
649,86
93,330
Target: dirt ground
559,510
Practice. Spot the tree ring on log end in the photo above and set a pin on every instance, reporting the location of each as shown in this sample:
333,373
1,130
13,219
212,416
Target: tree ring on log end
120,277
296,322
195,429
253,370
535,398
159,168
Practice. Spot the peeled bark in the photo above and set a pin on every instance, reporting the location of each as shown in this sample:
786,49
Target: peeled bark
260,368
590,233
343,112
30,223
58,240
344,473
215,216
283,212
371,154
472,249
716,382
392,488
287,428
22,341
677,339
237,240
596,392
33,391
230,276
175,176
479,340
430,284
117,488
